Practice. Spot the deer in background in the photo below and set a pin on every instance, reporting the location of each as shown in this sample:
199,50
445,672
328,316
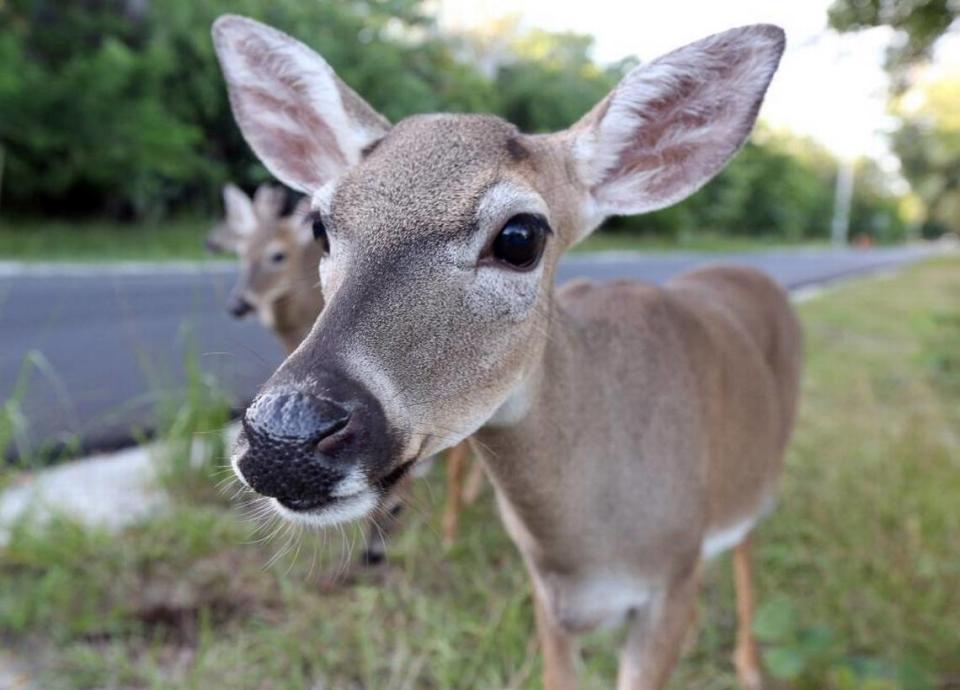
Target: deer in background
278,261
631,431
278,282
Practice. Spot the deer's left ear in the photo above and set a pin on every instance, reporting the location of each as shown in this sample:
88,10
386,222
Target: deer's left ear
303,123
673,123
300,222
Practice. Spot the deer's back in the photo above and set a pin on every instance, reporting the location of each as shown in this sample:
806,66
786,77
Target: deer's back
703,373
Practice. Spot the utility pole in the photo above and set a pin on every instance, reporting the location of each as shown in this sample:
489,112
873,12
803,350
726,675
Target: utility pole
843,198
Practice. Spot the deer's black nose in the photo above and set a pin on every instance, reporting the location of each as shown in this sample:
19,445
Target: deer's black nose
293,440
239,307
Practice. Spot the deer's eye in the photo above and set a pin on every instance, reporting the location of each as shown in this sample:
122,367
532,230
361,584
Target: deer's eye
278,257
319,232
521,241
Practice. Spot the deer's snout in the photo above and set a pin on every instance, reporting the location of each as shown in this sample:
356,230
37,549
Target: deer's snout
312,453
238,307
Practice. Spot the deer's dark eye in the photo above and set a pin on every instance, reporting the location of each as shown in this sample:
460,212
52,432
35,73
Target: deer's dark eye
319,232
278,257
521,241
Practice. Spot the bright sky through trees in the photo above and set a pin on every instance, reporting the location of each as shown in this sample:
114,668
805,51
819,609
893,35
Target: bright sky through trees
831,87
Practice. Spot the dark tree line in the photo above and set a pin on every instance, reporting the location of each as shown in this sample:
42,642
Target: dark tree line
117,108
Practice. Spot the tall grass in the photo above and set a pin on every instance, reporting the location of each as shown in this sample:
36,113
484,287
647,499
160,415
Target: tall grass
190,448
14,422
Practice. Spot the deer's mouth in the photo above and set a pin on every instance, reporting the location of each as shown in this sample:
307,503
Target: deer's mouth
388,481
334,511
355,501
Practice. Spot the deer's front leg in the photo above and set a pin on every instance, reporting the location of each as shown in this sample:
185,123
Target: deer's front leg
746,657
382,528
456,466
656,637
559,650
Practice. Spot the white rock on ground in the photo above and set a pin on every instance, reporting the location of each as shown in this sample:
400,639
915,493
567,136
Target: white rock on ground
109,490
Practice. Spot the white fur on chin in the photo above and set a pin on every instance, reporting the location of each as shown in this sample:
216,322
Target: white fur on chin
342,511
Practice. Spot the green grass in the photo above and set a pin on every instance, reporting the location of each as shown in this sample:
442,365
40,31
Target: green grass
183,240
688,241
92,241
858,570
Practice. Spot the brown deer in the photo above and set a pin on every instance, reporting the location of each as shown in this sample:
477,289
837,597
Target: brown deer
630,431
278,261
278,282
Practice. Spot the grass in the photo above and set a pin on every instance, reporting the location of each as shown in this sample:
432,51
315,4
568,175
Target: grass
183,240
858,570
191,443
94,241
688,241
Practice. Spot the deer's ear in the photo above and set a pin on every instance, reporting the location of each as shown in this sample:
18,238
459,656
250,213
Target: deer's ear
240,216
268,201
673,123
304,124
302,229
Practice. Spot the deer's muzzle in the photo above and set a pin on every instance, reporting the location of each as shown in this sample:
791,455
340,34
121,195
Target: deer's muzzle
312,452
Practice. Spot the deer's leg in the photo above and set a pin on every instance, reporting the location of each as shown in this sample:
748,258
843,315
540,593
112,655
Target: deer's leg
456,465
656,636
386,524
474,484
558,648
746,657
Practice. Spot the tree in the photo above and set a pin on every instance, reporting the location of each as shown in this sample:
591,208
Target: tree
918,24
928,144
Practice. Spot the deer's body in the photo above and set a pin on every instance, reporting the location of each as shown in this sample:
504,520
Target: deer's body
630,430
701,398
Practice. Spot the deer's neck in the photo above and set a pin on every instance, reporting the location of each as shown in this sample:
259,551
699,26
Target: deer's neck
530,457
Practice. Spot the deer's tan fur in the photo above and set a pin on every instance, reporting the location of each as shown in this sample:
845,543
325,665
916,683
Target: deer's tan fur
630,430
278,261
287,298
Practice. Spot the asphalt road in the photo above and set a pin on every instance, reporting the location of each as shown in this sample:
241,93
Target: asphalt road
89,352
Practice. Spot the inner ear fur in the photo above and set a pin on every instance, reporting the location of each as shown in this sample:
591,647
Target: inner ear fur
672,124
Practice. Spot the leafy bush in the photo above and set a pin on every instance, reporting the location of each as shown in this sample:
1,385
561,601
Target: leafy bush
118,108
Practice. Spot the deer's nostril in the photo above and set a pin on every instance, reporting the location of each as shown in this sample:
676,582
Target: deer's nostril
294,419
239,308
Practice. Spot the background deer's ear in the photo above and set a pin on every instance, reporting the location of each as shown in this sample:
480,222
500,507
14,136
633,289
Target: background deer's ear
672,124
301,226
268,201
240,216
304,124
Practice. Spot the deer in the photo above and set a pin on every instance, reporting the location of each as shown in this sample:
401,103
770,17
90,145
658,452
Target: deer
631,432
278,282
278,261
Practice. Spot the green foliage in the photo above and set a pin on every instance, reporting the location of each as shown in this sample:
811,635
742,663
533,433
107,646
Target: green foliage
814,658
551,82
192,446
928,144
919,22
14,424
115,108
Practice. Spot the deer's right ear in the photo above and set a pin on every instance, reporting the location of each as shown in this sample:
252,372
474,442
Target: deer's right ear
268,201
673,123
304,124
238,208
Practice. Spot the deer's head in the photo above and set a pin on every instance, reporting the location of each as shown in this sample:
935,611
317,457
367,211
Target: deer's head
443,236
272,247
